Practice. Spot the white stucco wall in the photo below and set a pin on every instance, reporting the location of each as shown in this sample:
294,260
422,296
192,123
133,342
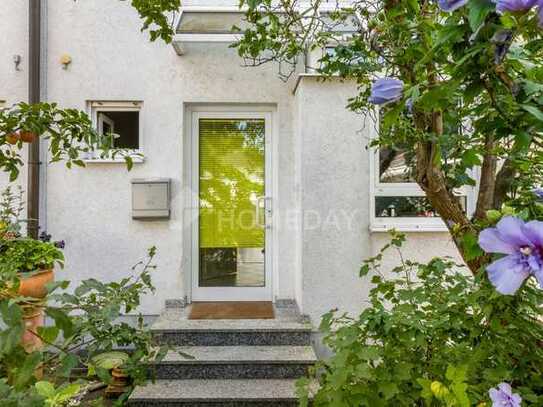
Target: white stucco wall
13,41
334,195
112,60
334,188
322,200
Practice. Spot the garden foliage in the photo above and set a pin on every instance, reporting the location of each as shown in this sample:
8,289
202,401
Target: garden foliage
85,322
459,84
432,335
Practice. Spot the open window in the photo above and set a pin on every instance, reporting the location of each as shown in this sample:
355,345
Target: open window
397,202
121,122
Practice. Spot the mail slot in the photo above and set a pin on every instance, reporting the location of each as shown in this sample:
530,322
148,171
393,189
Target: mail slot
151,198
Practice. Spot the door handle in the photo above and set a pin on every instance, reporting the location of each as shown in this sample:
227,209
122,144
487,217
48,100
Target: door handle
262,204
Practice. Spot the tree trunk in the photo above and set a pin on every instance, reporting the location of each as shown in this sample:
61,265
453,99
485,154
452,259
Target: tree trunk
431,179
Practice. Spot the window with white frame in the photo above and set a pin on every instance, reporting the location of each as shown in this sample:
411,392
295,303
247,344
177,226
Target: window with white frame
200,24
397,201
121,122
210,21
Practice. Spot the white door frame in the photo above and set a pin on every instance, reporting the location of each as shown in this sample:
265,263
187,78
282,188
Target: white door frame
231,293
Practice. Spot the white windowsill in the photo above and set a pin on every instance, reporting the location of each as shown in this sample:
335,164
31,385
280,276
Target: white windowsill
406,227
136,159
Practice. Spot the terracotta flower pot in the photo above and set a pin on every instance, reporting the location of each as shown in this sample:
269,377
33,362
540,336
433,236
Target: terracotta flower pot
34,284
33,318
12,138
119,384
27,136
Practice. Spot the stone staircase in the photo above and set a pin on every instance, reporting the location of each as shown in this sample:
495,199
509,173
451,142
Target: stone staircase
232,362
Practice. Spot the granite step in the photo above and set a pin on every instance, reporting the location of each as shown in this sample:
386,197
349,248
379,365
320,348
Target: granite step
236,362
288,328
215,393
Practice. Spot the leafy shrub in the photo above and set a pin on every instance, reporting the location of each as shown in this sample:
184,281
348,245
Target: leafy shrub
432,335
28,255
19,254
85,323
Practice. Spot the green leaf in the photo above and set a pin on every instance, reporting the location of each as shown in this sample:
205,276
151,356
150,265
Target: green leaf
68,391
25,373
471,247
370,353
11,313
457,374
388,389
48,333
129,162
460,391
493,215
302,386
11,337
531,87
534,111
103,374
67,364
54,285
45,389
471,158
62,320
523,140
364,270
449,34
478,10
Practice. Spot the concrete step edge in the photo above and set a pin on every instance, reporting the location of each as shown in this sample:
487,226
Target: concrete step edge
227,390
240,355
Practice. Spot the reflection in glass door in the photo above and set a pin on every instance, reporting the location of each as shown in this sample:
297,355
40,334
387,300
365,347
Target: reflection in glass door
232,207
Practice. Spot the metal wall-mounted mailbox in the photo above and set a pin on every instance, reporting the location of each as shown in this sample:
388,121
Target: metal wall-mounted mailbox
151,198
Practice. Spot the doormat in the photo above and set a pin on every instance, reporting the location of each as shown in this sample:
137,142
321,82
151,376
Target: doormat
232,310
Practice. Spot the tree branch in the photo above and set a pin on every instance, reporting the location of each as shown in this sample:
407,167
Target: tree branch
431,179
485,199
504,180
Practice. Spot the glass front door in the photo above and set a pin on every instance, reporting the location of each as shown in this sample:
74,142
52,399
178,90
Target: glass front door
233,209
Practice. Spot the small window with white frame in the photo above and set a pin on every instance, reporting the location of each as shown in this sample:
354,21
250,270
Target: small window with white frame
397,201
122,122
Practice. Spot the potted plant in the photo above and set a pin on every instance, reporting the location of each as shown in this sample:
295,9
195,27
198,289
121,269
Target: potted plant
26,266
112,362
30,261
34,261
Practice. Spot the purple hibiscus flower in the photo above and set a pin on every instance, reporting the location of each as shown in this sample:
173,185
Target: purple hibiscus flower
386,90
520,6
503,396
514,5
451,5
523,245
538,192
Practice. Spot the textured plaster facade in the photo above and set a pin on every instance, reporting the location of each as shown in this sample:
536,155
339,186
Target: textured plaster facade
321,202
13,41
